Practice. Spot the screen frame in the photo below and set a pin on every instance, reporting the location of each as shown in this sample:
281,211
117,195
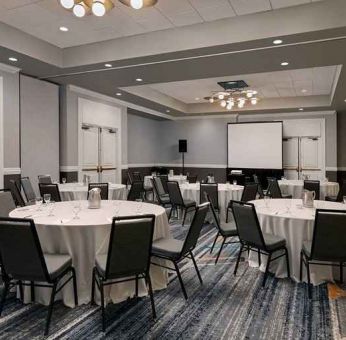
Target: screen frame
261,122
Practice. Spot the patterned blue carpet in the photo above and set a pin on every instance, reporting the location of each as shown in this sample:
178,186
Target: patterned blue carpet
225,307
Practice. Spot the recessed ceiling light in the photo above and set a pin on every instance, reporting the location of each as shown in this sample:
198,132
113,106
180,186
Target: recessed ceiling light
119,94
277,42
304,90
12,59
63,29
139,79
345,100
197,98
284,63
168,111
108,65
301,109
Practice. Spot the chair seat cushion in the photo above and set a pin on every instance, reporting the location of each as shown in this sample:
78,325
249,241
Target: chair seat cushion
273,242
167,248
229,229
100,262
189,203
57,264
307,248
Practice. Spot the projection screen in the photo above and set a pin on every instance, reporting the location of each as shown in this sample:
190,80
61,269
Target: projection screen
255,145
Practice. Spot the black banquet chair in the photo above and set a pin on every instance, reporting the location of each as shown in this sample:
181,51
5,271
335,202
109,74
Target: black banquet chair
104,187
52,189
177,200
312,185
25,264
128,257
162,198
328,245
7,203
176,250
249,194
341,194
252,238
28,189
46,179
137,177
136,192
274,190
212,190
15,190
226,230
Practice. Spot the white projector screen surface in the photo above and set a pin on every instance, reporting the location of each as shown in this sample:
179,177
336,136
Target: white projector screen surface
255,145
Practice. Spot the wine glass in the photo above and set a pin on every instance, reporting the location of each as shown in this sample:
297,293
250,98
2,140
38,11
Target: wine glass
235,182
38,202
266,201
344,199
46,198
63,180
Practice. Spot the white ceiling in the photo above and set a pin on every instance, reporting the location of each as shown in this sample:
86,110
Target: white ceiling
280,84
42,18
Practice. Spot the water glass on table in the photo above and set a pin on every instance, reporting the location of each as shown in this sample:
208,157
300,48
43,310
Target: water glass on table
267,200
46,198
76,209
38,203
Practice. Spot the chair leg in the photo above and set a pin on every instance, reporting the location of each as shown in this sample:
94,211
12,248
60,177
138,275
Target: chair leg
150,288
309,280
259,257
93,288
238,259
219,253
75,293
136,288
32,291
180,280
50,308
170,213
103,306
227,214
212,247
287,264
267,270
341,273
185,212
195,265
301,267
21,290
3,295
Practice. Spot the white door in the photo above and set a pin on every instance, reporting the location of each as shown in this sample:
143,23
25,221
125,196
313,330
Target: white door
108,155
311,160
290,157
90,153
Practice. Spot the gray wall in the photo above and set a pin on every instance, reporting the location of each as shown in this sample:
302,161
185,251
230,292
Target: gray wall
39,128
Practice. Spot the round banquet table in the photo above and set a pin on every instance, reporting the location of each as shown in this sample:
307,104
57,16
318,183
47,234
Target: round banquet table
79,191
226,192
296,187
85,237
289,219
177,178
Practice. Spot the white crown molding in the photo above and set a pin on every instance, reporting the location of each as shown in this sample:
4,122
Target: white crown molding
68,168
178,165
117,101
124,166
9,68
12,171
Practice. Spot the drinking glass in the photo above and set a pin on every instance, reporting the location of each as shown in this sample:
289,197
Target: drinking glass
63,180
266,201
38,202
76,210
51,209
344,199
234,182
46,198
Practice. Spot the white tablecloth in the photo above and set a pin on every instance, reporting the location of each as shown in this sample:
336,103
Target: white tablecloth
84,238
295,188
176,178
79,191
296,226
226,192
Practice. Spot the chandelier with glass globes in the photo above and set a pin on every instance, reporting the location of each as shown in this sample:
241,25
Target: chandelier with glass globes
231,98
99,8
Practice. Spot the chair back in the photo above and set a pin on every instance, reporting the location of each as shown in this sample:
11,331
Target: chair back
130,246
21,252
6,203
329,240
46,179
27,188
164,180
212,191
260,190
137,177
15,190
313,186
195,228
129,178
136,191
175,193
273,188
215,215
249,192
191,179
342,192
51,189
158,187
102,186
247,224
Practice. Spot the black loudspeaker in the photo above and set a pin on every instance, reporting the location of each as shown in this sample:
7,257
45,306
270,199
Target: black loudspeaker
182,145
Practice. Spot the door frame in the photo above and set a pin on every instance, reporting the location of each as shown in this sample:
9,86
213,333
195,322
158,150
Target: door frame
80,146
1,132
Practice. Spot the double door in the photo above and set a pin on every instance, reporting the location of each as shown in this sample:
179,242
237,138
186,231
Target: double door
303,156
99,153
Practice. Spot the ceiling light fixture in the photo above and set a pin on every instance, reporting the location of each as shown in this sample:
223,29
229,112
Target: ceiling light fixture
301,109
304,90
119,94
63,29
197,98
168,111
284,63
12,59
138,4
139,79
68,4
108,65
277,42
79,10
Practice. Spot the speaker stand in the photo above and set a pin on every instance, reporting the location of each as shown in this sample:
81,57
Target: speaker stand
182,155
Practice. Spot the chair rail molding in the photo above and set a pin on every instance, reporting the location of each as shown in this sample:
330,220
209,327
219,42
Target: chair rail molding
12,171
68,168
